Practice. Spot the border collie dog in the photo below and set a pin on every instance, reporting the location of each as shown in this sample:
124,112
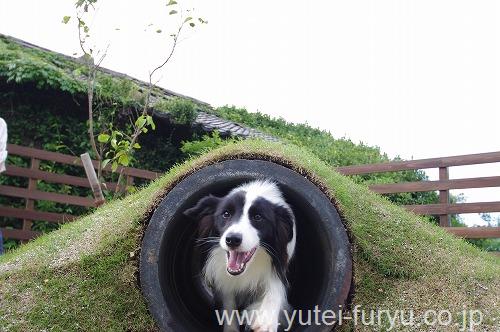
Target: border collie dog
250,234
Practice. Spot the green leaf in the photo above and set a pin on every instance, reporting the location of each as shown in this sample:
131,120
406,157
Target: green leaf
140,122
171,3
188,19
103,138
86,29
172,12
114,166
158,31
137,146
150,122
66,19
144,130
192,24
113,143
105,162
124,160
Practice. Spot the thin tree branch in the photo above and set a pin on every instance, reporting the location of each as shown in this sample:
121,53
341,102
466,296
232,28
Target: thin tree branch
138,130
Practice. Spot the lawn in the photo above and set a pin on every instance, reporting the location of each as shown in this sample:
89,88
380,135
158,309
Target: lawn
84,275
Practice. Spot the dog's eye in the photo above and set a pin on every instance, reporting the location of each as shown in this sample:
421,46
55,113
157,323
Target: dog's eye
226,215
257,217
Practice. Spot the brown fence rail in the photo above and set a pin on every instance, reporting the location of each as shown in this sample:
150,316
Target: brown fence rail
31,194
444,209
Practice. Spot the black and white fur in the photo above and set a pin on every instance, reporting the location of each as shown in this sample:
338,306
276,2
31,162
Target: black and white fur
251,235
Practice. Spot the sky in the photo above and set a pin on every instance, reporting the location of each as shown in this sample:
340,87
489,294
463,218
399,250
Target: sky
419,79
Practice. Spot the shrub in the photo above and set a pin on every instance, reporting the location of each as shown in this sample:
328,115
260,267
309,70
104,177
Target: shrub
182,111
205,144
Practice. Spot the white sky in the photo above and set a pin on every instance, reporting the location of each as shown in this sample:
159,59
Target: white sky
418,78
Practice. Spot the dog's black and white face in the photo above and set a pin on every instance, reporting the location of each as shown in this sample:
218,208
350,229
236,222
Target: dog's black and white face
252,217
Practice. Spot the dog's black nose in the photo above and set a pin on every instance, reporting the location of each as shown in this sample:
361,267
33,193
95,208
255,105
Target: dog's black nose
233,240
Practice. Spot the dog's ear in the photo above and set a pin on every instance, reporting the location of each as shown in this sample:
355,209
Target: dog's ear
284,234
284,224
203,213
205,206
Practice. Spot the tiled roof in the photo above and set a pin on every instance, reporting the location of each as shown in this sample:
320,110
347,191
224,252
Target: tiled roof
210,122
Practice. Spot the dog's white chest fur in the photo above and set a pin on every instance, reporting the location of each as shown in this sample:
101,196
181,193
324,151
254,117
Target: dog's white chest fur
258,279
252,279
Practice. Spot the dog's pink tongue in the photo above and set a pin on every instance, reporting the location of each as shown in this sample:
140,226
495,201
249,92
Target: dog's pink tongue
235,259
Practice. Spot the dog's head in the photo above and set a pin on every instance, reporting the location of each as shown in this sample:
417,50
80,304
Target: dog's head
252,215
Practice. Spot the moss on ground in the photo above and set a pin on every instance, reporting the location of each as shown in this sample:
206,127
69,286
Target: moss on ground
84,276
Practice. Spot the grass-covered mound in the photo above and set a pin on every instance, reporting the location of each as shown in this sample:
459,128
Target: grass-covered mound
84,276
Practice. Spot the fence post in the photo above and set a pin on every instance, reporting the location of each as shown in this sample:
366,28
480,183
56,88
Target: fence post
30,203
130,183
95,185
444,197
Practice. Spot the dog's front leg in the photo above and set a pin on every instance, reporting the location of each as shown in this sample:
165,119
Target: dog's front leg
268,312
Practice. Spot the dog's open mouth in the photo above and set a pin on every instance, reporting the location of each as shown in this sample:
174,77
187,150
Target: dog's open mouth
237,260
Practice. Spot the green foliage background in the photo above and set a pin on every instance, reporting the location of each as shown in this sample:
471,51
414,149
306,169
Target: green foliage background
43,100
335,152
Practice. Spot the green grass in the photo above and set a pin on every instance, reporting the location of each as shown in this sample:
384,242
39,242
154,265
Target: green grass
84,276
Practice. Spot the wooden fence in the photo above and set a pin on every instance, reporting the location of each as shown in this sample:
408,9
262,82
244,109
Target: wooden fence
31,194
444,209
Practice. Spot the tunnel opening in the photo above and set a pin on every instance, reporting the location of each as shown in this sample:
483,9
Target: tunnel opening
320,273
